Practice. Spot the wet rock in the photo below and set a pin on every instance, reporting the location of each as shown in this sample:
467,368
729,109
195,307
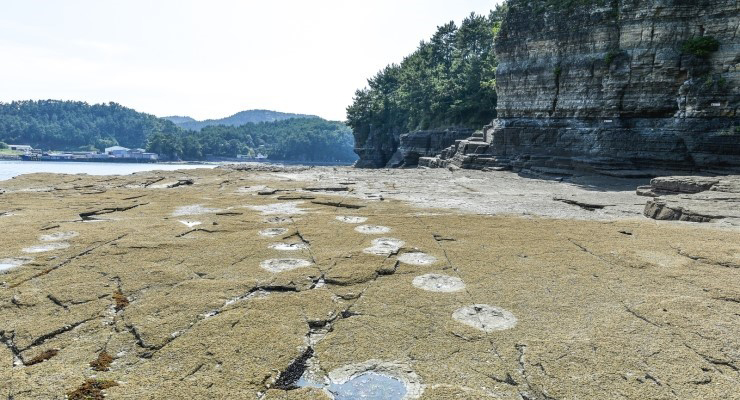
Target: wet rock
10,263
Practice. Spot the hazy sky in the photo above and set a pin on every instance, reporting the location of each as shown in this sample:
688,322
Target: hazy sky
211,58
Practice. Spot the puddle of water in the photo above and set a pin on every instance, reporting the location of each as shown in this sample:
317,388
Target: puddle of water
7,264
53,237
373,229
485,318
290,208
284,264
273,232
384,246
417,259
371,380
439,283
351,219
40,248
190,224
369,386
195,209
289,246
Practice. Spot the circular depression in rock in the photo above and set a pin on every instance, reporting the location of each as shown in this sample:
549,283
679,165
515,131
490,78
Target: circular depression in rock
351,219
373,229
289,246
53,237
290,208
417,259
40,248
195,209
284,264
10,263
438,283
485,317
384,246
272,232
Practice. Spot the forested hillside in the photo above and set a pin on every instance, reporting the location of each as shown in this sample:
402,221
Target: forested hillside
238,119
68,125
448,81
296,139
72,125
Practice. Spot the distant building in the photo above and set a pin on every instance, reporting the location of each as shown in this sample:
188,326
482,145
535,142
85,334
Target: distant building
117,151
20,147
124,152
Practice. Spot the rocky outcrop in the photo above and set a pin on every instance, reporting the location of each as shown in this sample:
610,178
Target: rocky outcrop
404,150
613,86
693,199
419,144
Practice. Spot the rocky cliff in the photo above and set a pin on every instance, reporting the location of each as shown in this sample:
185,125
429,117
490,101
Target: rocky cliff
613,86
404,150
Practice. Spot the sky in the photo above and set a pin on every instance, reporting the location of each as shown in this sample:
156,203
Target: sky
211,58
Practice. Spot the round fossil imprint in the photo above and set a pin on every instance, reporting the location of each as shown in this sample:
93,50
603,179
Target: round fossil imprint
486,318
373,229
417,259
10,263
439,283
351,219
384,246
284,264
40,248
272,232
288,246
53,237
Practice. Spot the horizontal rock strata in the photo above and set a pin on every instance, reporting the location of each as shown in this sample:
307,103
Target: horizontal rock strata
610,87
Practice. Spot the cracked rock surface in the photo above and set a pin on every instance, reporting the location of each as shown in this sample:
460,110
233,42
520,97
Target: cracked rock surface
607,303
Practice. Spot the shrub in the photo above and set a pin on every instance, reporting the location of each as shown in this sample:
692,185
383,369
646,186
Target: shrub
701,47
3,145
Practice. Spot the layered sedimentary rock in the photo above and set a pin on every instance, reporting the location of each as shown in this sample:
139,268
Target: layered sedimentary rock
693,198
612,85
418,144
404,150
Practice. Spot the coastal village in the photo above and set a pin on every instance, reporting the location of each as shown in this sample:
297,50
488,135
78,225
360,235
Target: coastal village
110,154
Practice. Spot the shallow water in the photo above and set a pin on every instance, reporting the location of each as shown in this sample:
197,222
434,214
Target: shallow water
367,386
10,169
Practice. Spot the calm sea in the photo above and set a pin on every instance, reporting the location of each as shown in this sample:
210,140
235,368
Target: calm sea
9,169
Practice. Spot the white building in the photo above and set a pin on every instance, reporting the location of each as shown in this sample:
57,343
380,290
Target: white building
20,147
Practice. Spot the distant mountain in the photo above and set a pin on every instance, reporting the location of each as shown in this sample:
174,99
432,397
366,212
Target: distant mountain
238,119
179,120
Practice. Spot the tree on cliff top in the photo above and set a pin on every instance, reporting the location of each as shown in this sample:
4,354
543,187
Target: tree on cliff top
448,81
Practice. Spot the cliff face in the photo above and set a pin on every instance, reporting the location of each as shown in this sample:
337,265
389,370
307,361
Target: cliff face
617,84
404,150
